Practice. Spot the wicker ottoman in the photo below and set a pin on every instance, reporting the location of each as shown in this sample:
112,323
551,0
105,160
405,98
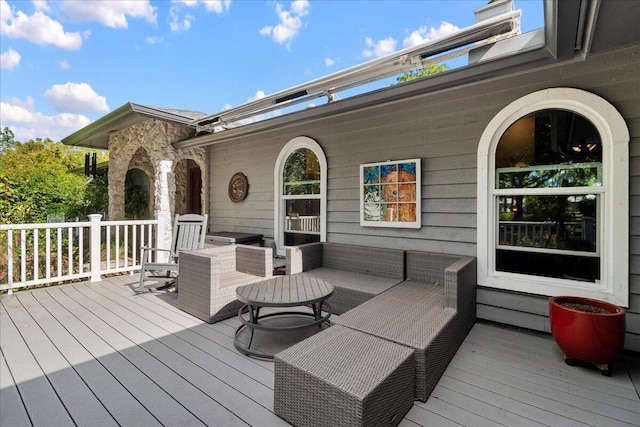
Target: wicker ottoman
343,377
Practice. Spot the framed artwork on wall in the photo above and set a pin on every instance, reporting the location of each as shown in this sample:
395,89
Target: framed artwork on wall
390,194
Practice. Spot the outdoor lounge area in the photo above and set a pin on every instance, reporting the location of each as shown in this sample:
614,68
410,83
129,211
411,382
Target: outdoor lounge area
425,236
100,354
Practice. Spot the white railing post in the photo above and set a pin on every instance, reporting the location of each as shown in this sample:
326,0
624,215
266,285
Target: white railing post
94,246
10,260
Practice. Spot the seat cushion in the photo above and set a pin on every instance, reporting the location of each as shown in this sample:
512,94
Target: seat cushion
356,281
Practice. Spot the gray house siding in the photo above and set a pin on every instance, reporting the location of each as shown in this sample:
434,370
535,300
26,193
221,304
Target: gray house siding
443,129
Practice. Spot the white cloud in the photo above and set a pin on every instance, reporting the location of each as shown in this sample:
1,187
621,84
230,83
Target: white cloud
5,11
217,6
154,40
379,48
37,28
111,14
75,98
424,34
41,5
300,7
9,59
26,123
329,62
290,23
259,95
27,104
180,21
64,64
177,21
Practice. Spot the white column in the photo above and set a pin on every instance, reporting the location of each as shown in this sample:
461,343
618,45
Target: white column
163,204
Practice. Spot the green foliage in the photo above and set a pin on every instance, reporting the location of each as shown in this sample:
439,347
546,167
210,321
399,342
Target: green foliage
429,70
37,179
136,200
6,139
97,195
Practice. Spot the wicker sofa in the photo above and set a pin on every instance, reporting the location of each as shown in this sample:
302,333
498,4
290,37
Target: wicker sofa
209,278
358,273
429,314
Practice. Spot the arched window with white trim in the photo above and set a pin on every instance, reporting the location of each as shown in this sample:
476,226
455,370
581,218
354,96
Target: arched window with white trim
300,194
553,197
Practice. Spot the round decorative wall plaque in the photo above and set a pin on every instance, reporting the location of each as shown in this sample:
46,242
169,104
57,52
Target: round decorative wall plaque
238,187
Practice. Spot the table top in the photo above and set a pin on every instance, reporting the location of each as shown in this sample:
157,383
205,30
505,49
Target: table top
285,291
234,237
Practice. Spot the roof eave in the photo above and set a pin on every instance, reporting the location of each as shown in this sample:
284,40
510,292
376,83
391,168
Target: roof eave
96,134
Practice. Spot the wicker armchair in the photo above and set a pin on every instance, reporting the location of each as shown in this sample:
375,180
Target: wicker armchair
209,278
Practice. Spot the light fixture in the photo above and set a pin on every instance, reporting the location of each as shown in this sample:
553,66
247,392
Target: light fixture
584,145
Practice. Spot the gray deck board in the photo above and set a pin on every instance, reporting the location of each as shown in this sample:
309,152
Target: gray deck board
83,405
11,407
129,364
100,354
38,394
113,396
192,387
218,380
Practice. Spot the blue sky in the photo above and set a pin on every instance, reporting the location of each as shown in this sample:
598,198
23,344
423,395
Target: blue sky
64,64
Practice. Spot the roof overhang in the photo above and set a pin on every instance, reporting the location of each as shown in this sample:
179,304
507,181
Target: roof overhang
96,134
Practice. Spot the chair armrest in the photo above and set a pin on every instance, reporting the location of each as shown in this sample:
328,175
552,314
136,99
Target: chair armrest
202,267
304,257
460,280
147,248
254,260
225,257
146,251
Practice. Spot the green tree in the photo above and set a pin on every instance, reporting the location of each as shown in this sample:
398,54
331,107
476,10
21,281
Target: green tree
97,195
429,70
37,179
6,139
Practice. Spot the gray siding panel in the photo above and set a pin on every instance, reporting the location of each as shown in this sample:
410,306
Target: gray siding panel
443,129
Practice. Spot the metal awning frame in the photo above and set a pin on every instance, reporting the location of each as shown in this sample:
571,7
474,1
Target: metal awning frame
433,51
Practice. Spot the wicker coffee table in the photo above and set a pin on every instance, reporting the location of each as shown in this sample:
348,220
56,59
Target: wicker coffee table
281,292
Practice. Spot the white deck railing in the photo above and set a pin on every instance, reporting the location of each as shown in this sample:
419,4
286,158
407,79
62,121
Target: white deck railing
35,254
544,234
302,224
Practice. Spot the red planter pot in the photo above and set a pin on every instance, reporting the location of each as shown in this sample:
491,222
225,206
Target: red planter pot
596,338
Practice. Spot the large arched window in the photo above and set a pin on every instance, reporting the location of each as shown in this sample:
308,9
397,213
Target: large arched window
553,197
300,194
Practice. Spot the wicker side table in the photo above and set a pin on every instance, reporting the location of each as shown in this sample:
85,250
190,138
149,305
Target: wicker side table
343,377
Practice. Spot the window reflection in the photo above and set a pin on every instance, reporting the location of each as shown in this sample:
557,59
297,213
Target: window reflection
302,173
542,229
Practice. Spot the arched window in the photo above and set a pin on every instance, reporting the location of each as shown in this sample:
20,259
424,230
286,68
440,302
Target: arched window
300,194
553,197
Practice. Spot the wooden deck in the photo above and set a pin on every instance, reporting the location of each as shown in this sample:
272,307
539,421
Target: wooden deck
99,354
